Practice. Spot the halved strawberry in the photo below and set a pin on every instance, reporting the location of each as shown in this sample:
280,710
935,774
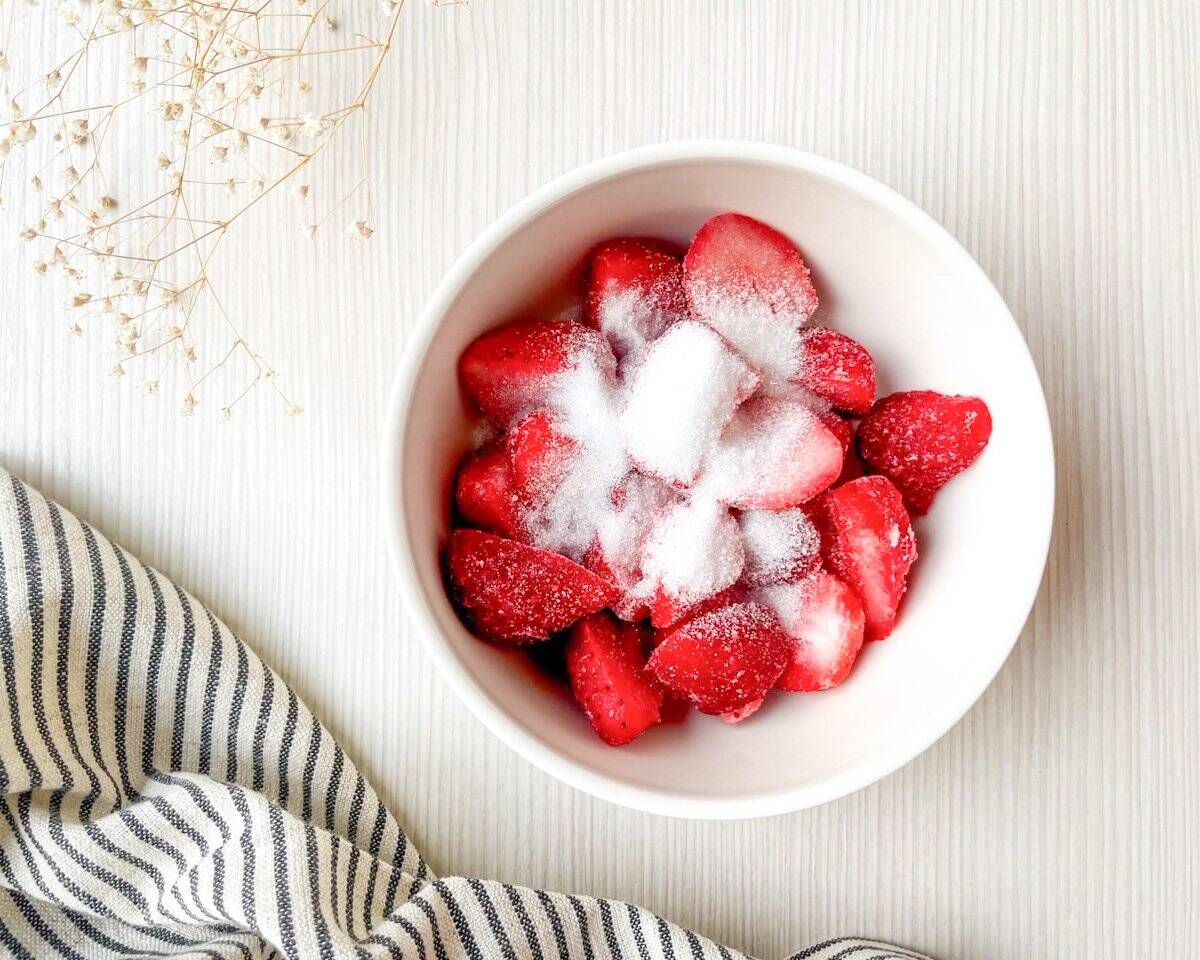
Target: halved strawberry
509,371
668,610
921,439
723,660
837,368
635,291
517,593
867,541
774,454
751,285
608,673
825,622
735,257
486,496
540,455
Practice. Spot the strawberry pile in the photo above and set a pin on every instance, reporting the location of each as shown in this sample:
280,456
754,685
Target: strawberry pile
691,493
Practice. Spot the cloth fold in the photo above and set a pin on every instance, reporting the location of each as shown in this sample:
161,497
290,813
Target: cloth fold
164,793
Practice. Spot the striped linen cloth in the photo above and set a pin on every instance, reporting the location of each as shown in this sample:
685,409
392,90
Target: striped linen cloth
166,794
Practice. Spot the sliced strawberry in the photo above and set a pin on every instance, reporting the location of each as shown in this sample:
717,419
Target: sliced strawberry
921,439
825,622
635,291
751,285
723,660
781,546
667,610
774,454
735,257
740,714
838,369
868,542
517,593
609,678
486,496
509,371
540,454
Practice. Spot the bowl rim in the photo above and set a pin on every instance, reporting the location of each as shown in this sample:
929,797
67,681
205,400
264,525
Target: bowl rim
914,741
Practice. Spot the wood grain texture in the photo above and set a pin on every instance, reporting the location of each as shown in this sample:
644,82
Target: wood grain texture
1058,141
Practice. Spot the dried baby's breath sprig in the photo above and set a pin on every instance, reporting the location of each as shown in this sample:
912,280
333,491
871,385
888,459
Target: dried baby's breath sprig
244,97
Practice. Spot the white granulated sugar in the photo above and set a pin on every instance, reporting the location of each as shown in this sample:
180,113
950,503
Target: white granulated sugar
586,403
771,342
778,544
680,397
622,529
760,451
632,319
818,625
694,550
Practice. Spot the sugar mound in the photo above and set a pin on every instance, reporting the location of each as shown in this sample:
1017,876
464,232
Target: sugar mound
566,520
694,550
761,453
634,318
771,343
779,545
680,397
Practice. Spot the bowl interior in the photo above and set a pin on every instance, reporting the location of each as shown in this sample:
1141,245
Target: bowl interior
886,275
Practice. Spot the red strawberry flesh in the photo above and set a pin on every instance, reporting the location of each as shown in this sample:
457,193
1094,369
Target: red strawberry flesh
837,368
921,440
485,494
519,594
723,660
824,621
510,370
635,291
868,542
607,666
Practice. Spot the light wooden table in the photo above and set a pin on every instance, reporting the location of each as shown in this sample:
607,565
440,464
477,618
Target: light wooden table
1059,141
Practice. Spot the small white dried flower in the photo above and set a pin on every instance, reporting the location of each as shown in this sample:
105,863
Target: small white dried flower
138,65
75,330
163,161
171,109
107,202
53,79
304,86
35,184
5,147
39,267
189,405
28,234
361,230
118,371
313,124
151,387
220,153
295,410
302,191
80,299
3,61
23,131
189,354
310,231
137,85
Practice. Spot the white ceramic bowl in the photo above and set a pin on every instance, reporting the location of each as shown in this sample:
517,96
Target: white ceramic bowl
888,275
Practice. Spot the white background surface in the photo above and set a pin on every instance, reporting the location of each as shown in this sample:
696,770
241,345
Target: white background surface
1059,142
